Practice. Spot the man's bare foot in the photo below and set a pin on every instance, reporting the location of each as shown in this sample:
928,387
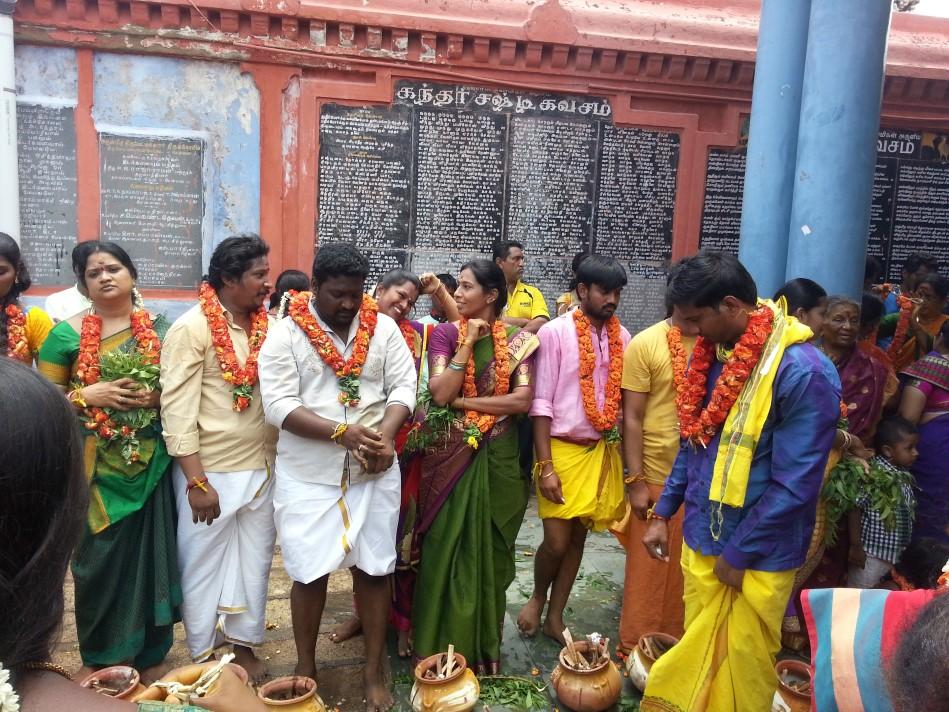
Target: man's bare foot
528,620
554,630
256,668
153,672
378,696
347,629
405,644
306,668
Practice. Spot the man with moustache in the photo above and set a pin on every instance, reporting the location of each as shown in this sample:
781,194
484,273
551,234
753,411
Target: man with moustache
339,381
576,420
213,423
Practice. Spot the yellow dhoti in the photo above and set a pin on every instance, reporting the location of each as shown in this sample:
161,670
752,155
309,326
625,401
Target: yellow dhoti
591,477
725,660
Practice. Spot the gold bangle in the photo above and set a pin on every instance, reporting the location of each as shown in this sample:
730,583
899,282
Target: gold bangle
651,514
633,479
338,432
539,465
75,397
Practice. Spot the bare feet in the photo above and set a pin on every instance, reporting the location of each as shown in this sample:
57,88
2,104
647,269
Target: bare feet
528,620
554,630
405,644
152,673
256,668
378,697
306,668
347,629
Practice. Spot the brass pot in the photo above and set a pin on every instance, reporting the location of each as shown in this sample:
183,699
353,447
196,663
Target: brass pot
456,692
592,690
640,660
291,694
787,699
119,681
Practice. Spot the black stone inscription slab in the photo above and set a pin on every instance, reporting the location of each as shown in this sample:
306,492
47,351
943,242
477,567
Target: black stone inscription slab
636,194
46,142
721,212
152,203
365,159
459,179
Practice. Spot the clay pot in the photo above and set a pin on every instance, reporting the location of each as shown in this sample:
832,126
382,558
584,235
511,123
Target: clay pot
592,690
119,681
640,660
787,699
291,694
457,692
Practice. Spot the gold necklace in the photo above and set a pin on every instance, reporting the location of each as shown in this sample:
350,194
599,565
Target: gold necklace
47,667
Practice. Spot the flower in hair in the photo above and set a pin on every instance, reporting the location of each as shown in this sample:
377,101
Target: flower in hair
9,699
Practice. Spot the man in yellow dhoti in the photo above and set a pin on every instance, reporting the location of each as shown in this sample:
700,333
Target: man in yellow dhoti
758,408
575,416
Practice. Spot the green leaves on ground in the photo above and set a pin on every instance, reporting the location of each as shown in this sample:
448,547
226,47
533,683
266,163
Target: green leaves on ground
516,693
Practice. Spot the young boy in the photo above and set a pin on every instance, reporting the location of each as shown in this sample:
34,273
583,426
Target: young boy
896,440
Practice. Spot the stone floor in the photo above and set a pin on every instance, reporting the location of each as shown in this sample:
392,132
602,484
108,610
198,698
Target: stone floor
594,606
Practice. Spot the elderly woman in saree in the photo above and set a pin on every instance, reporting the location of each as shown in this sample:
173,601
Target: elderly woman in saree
472,495
925,402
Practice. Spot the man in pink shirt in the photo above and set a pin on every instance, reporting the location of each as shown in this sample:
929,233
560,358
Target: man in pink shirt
576,419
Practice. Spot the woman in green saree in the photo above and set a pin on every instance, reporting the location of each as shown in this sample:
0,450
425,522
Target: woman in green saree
125,567
472,496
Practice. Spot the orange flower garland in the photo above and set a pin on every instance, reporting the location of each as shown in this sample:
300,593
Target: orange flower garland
18,346
679,359
905,304
700,426
606,420
408,333
348,372
242,379
476,423
88,370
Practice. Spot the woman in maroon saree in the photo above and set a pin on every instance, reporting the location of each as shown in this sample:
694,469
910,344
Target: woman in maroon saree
472,496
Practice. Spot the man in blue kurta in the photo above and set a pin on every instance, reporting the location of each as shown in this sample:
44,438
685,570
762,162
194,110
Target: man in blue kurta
749,485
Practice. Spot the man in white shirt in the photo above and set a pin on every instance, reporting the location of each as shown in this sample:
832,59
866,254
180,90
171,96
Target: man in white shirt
338,486
62,305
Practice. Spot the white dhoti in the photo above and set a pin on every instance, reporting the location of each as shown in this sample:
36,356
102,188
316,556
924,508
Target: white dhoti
225,567
323,528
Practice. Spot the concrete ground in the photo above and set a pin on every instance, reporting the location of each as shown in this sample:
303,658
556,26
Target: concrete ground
594,607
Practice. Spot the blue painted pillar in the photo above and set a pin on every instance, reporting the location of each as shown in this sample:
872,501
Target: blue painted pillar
772,143
836,150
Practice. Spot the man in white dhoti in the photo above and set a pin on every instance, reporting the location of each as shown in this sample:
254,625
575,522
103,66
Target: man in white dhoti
213,422
338,379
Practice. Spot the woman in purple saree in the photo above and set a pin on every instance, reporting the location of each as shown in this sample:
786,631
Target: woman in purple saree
926,402
472,496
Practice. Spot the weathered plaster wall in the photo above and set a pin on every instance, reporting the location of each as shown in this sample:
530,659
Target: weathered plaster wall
187,95
45,73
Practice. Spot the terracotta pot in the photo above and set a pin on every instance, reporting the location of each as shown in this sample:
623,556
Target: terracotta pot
291,694
640,661
787,699
457,692
592,690
123,679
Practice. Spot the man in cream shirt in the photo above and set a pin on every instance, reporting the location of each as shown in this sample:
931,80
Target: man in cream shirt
338,486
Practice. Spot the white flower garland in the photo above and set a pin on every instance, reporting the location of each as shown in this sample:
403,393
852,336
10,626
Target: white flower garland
9,699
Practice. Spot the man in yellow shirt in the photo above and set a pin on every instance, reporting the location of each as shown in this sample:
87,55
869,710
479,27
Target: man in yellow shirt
526,307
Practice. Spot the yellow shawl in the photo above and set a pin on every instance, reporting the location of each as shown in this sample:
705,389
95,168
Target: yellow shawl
746,419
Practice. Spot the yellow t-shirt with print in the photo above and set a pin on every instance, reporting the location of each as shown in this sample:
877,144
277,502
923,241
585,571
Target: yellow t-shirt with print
525,302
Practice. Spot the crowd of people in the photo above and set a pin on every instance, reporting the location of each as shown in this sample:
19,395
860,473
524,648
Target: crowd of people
743,450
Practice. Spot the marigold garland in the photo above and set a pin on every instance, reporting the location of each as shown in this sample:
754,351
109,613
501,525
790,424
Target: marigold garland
680,361
242,379
88,371
905,303
18,346
408,333
476,423
349,371
604,421
700,426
